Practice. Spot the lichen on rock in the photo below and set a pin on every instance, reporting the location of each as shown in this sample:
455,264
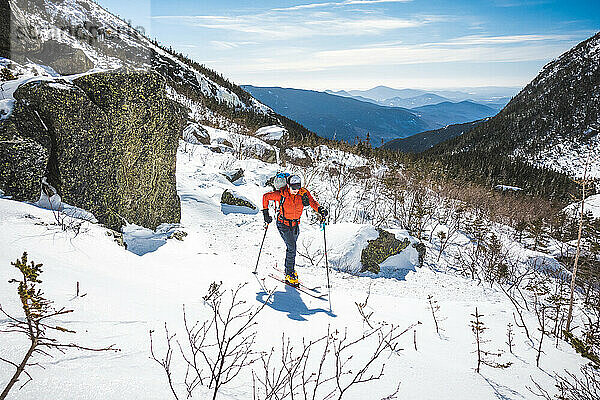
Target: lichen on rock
230,198
380,249
111,141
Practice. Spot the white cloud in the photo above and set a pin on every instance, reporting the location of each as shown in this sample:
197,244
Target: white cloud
520,48
280,26
520,3
337,4
474,40
225,45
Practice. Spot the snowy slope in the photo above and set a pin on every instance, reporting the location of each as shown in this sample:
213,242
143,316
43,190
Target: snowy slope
127,295
110,43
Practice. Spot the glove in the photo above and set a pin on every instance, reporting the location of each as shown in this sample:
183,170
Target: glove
322,211
268,218
305,200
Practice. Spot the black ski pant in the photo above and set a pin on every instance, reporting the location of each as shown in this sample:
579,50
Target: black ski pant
289,234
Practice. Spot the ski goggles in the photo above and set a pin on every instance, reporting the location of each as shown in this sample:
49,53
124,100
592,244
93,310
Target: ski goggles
295,186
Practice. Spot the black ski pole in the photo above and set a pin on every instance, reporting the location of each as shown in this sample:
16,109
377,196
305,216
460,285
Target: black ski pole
261,246
325,244
326,263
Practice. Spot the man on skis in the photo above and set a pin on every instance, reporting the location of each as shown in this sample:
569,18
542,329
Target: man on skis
292,199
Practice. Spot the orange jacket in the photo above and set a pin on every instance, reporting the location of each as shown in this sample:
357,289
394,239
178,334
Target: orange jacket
292,203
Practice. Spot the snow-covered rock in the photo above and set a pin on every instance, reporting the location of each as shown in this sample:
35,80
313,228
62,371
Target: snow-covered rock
505,188
591,205
196,134
233,175
297,156
232,202
271,134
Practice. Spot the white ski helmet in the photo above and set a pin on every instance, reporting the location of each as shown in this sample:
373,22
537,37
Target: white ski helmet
295,182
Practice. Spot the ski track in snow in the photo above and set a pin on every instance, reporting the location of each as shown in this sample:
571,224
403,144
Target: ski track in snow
127,295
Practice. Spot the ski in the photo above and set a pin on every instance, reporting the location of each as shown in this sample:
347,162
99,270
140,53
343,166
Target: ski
300,289
303,286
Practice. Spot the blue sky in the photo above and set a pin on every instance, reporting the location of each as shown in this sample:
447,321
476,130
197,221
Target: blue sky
359,44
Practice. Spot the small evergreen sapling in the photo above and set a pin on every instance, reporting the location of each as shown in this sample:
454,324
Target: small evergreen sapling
6,75
435,308
478,328
36,325
509,337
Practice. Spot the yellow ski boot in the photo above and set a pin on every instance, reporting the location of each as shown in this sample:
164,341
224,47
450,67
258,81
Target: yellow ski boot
292,280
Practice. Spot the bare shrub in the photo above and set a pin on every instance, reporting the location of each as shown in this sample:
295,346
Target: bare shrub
216,350
573,387
434,307
340,186
325,368
305,251
478,327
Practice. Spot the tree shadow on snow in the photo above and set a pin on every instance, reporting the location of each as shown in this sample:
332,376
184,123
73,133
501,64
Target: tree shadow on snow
498,389
290,302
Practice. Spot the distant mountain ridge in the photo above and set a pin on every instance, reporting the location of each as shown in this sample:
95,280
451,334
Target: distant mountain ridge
426,140
493,97
484,94
416,101
334,115
339,117
381,93
448,113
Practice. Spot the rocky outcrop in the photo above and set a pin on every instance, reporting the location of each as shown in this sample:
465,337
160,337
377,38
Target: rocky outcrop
262,151
233,175
196,134
297,156
272,134
233,199
63,58
108,142
380,249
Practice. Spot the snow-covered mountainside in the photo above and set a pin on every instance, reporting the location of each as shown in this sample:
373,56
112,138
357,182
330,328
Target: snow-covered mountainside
75,36
120,295
107,41
554,121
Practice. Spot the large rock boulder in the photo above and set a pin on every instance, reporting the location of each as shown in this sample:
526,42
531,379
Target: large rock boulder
110,141
261,151
233,175
272,134
380,249
235,199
